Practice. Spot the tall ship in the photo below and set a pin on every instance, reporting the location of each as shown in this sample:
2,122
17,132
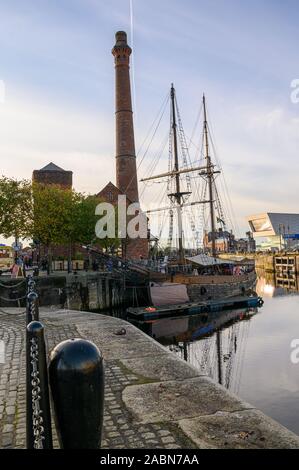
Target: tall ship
192,214
183,264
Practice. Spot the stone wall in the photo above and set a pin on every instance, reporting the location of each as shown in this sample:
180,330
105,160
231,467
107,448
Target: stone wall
88,291
102,291
61,178
265,262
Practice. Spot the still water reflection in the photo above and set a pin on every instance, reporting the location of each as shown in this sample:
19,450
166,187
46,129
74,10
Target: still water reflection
247,351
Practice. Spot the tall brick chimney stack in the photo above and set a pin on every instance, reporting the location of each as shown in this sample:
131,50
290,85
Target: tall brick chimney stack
126,172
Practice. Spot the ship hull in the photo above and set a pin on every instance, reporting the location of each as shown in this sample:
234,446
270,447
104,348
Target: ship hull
218,287
199,288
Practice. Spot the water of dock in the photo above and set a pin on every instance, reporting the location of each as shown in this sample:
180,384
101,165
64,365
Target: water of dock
248,351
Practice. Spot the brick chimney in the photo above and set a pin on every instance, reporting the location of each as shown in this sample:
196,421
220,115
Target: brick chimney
126,172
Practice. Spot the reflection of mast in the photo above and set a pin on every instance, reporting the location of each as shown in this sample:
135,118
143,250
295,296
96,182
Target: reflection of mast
185,351
219,356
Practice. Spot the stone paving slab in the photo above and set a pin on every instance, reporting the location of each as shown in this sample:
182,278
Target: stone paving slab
119,347
152,398
171,401
248,429
157,368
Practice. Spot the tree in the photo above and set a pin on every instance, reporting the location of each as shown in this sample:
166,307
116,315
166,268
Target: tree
80,221
109,243
65,217
52,206
16,208
84,219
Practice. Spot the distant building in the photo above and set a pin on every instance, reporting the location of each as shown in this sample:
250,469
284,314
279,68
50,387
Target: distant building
224,241
53,174
245,245
275,231
227,243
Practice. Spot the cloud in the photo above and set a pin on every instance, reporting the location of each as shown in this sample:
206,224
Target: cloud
59,74
32,133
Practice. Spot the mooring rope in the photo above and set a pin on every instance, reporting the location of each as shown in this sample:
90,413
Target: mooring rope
13,300
13,286
11,314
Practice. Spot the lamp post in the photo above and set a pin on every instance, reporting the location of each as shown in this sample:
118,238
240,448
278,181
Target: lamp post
282,231
279,229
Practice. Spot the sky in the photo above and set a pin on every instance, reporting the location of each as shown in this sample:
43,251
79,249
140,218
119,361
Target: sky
57,88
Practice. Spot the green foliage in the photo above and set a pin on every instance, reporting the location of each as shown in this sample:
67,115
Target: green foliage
110,244
52,207
64,216
84,219
49,214
16,208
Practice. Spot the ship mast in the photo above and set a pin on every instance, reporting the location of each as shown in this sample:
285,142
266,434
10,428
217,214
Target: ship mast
210,178
178,195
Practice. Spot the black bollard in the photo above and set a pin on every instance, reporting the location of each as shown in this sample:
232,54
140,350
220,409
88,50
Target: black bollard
76,373
38,418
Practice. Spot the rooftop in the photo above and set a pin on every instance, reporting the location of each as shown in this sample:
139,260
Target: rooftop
52,167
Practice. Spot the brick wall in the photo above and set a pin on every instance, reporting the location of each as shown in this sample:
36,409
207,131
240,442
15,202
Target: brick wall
60,178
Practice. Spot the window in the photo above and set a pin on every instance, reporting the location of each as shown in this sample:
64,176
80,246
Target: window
261,225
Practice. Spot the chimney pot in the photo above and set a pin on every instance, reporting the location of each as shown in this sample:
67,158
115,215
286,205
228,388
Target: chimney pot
121,38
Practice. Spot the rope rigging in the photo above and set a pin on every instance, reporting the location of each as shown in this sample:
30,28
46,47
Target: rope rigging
193,188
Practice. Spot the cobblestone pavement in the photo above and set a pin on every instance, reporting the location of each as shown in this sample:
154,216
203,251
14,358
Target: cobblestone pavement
153,399
120,429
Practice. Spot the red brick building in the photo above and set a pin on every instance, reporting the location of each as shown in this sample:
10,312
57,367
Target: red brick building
53,174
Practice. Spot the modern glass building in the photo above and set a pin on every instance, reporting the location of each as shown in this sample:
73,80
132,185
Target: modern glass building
275,231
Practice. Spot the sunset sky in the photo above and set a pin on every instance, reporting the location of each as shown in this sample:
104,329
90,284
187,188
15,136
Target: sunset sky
57,67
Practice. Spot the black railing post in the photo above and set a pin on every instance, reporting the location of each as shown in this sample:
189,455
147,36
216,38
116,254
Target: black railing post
29,318
32,304
30,284
38,418
76,374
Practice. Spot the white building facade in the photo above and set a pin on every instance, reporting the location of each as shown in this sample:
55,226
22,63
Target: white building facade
275,231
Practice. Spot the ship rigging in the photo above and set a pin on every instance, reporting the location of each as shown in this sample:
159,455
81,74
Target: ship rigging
183,181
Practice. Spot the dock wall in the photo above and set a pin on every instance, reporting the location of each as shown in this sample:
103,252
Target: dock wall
102,291
89,291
